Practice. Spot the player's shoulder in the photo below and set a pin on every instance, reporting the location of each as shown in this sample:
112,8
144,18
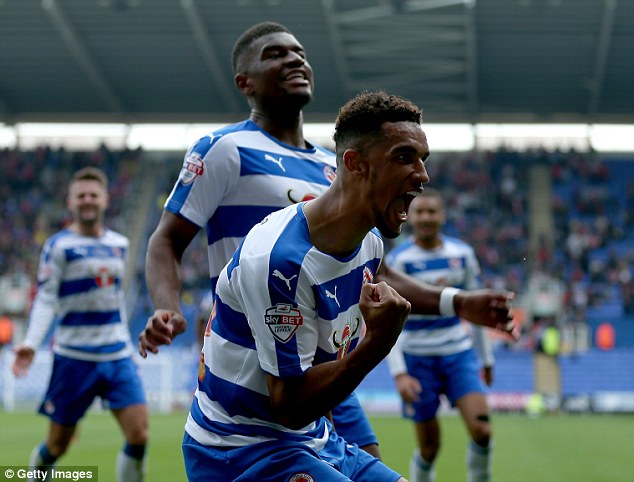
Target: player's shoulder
402,247
222,137
59,239
457,243
115,237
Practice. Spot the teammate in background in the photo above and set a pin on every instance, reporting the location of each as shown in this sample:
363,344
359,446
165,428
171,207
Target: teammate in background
80,277
232,178
434,354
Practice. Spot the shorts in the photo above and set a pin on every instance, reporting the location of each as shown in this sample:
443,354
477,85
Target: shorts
452,375
283,461
352,423
75,383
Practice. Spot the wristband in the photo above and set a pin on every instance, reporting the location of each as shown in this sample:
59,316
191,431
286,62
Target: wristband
445,306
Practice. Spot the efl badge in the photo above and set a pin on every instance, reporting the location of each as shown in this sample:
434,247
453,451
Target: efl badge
192,168
283,321
302,477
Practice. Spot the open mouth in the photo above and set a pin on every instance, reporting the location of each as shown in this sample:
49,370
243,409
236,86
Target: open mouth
403,202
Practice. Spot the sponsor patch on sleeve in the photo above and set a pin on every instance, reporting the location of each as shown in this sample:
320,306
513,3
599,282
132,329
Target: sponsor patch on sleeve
192,168
283,320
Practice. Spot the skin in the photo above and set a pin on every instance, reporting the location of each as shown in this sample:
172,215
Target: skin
427,217
87,202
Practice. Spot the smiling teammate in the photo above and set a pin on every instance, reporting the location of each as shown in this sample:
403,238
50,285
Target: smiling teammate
80,290
435,354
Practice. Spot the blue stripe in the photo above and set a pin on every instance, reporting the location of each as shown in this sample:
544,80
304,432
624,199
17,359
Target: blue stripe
235,399
102,350
255,161
94,251
414,267
91,318
286,258
430,324
235,221
68,288
348,291
232,325
250,430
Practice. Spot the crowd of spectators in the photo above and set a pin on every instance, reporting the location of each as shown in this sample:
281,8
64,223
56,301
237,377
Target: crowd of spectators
487,197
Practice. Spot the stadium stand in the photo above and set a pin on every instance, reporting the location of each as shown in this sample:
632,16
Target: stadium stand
590,251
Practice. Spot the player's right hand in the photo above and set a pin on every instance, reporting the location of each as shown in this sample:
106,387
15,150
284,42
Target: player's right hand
23,358
384,311
408,387
161,328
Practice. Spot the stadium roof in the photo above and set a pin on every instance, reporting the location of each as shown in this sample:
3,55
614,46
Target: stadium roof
462,60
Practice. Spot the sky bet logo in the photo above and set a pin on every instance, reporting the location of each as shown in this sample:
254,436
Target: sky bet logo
283,321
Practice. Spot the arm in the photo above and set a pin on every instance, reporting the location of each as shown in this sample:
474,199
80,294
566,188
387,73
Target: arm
482,345
43,310
481,307
407,386
163,277
298,401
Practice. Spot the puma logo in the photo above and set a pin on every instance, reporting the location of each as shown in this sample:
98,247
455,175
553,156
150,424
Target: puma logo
333,296
286,280
278,161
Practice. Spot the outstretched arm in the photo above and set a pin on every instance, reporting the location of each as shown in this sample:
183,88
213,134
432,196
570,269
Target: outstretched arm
481,307
163,277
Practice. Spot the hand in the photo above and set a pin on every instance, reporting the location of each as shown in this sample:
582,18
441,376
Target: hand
487,375
161,328
384,312
487,308
23,358
408,387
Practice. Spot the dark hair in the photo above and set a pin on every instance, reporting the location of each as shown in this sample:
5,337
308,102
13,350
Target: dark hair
90,174
363,115
251,35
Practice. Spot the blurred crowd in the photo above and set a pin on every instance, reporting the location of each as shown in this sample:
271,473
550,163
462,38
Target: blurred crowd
487,195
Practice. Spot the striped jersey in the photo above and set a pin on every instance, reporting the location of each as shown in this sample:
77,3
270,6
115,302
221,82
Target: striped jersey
452,264
80,293
281,306
234,177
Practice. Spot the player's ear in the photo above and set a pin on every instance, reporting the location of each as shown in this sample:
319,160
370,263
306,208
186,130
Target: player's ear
244,84
354,162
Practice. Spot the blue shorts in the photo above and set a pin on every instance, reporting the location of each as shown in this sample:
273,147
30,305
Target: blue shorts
283,461
74,385
352,423
452,375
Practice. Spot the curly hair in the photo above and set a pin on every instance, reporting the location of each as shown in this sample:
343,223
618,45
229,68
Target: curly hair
251,35
362,116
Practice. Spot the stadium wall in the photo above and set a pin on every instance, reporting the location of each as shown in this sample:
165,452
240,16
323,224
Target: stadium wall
591,381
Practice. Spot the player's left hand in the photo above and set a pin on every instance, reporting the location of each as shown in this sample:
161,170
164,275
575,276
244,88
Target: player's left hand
23,358
487,308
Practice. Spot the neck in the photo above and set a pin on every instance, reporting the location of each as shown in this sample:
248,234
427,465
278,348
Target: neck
431,243
92,230
288,128
328,214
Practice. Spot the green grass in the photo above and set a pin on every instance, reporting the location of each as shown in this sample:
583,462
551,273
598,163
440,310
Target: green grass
554,448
